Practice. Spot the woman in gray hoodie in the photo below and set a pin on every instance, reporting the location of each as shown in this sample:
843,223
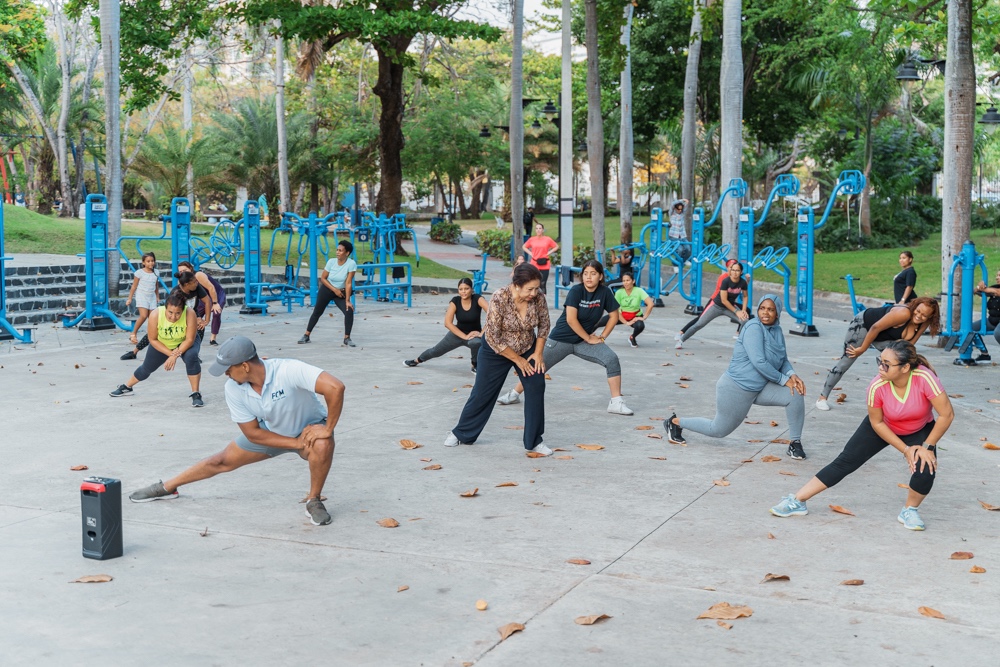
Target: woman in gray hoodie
759,374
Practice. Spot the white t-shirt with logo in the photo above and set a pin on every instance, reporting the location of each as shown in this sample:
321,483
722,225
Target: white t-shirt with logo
288,401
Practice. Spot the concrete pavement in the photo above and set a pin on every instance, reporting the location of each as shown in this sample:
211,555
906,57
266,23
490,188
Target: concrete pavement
262,585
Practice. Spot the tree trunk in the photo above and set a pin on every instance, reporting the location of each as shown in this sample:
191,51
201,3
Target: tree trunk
595,128
279,103
731,105
626,150
689,139
463,210
314,199
477,188
188,114
505,206
111,51
389,89
959,135
46,186
81,158
66,49
517,127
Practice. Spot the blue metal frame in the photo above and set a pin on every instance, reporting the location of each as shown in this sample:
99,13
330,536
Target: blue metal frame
966,337
786,185
382,232
258,292
7,330
97,314
479,282
177,229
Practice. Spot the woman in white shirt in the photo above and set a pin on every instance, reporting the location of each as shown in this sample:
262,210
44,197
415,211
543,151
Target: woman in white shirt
336,284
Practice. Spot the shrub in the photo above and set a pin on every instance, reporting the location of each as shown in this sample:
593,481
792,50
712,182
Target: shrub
495,243
446,232
581,253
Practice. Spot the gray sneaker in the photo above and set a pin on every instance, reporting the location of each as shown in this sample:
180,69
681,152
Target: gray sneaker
317,513
152,492
348,342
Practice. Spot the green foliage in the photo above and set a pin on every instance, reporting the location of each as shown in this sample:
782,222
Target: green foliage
446,232
165,156
495,243
582,253
22,31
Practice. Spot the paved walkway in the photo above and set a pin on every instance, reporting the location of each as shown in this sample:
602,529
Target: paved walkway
233,572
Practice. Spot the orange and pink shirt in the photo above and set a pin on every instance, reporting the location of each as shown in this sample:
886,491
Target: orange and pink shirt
539,247
910,412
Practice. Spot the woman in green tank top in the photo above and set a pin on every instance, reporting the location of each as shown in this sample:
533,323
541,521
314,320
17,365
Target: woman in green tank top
173,334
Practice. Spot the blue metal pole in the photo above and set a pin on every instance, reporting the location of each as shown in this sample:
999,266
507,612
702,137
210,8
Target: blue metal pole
744,248
180,231
252,303
968,262
7,330
312,227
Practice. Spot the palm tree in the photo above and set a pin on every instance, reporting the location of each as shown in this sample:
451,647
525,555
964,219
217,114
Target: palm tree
167,159
595,127
110,15
517,127
688,135
731,113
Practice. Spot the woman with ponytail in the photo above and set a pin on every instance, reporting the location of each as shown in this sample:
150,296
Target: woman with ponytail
901,401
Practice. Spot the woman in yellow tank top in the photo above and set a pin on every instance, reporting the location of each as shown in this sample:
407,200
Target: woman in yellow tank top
173,334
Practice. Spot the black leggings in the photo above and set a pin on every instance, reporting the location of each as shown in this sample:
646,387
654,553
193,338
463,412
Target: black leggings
154,359
545,280
866,443
323,300
638,326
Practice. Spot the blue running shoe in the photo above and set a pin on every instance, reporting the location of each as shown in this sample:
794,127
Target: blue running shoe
910,518
789,506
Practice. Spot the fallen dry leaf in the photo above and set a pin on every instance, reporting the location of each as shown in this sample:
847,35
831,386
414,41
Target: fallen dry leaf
775,577
841,398
723,624
747,461
644,427
466,386
79,468
204,533
564,458
771,536
514,428
993,400
667,364
590,620
534,455
409,444
548,377
93,579
414,382
975,569
957,395
962,555
559,449
433,466
720,482
933,613
751,422
774,423
658,458
591,448
657,419
426,460
654,436
840,510
755,441
853,582
782,441
785,472
402,588
388,523
577,388
509,629
990,445
470,494
683,386
724,611
506,484
987,506
578,561
481,605
768,458
686,378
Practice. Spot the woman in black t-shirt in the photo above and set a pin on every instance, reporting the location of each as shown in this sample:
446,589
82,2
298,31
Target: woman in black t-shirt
575,333
905,283
464,323
992,294
726,302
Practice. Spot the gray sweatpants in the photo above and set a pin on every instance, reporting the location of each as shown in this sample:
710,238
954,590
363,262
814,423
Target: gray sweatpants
710,313
451,342
555,351
856,333
732,405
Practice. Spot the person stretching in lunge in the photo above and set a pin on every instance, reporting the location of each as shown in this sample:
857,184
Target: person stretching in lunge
146,292
586,304
464,322
631,298
281,406
730,300
900,403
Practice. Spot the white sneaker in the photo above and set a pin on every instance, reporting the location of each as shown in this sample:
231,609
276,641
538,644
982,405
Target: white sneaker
677,336
541,449
821,404
451,440
617,406
510,398
679,345
736,336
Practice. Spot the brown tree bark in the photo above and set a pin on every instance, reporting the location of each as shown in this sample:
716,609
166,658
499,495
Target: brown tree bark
389,89
46,185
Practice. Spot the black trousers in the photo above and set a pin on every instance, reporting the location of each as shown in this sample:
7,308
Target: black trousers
866,443
154,359
545,280
638,326
323,299
491,373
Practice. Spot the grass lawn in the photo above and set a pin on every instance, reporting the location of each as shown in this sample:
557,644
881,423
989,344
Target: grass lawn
872,269
28,232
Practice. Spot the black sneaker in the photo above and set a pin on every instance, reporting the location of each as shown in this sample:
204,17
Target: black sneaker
473,368
631,341
122,390
196,401
674,431
128,356
304,339
795,450
317,513
985,356
213,342
348,342
412,363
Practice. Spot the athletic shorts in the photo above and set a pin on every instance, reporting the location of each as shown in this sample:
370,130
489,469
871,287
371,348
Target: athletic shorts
146,301
244,443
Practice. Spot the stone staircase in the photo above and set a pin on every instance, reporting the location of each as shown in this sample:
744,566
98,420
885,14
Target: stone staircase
39,294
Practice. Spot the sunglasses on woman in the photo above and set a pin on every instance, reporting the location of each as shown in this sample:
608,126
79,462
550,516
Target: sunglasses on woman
884,365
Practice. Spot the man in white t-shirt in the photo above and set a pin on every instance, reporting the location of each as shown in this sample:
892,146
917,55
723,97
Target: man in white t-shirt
281,406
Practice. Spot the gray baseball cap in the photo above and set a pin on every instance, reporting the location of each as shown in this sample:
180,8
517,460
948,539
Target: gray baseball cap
234,351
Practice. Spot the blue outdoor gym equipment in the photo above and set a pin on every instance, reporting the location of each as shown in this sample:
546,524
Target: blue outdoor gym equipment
176,228
663,247
258,292
855,306
312,231
966,337
479,282
7,330
97,314
786,185
639,253
382,235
